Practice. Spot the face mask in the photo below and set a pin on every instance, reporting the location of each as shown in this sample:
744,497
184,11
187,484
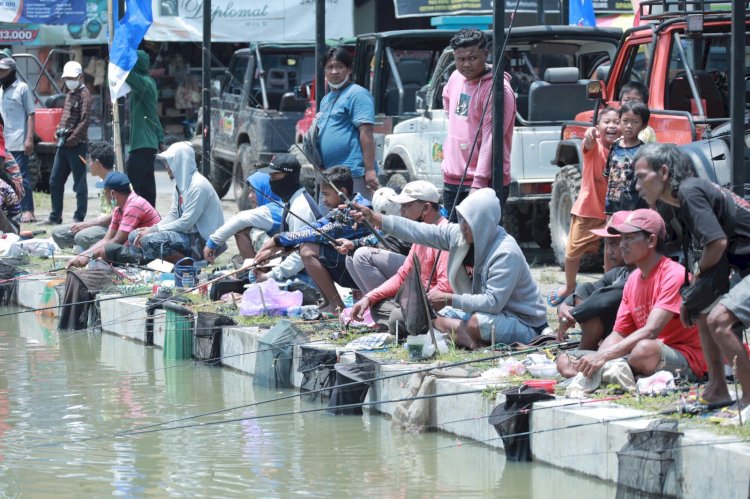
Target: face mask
337,86
72,84
285,187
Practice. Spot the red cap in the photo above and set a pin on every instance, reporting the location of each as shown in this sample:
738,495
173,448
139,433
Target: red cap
616,219
641,220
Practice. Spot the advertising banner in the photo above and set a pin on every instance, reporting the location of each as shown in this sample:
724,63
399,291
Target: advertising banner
42,11
249,20
419,8
90,29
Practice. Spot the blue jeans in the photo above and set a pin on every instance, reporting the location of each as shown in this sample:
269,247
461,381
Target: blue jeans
158,245
508,328
27,203
67,160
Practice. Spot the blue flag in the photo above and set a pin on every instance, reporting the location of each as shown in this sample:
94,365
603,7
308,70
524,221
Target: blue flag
129,33
581,13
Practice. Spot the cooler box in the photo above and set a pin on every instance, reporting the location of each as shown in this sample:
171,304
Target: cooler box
46,121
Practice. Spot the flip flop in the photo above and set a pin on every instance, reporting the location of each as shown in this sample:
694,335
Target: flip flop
554,300
730,416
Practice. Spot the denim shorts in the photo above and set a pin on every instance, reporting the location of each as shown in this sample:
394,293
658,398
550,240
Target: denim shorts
157,245
508,328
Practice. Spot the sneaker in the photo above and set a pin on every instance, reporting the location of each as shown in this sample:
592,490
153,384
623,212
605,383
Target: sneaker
49,221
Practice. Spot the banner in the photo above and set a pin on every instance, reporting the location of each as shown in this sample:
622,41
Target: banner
420,8
123,56
249,20
90,30
42,11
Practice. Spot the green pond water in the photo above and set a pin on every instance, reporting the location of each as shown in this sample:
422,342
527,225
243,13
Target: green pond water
64,396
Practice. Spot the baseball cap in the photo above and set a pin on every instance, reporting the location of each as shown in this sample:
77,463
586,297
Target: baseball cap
72,69
616,219
7,63
419,190
282,162
382,201
641,220
117,181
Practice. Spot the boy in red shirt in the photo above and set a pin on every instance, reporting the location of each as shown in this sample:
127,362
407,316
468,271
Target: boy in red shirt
587,213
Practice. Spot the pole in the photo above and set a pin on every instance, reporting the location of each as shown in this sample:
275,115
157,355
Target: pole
116,137
737,97
206,145
320,49
498,105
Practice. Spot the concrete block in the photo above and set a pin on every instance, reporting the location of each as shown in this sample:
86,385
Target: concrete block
124,316
41,293
239,346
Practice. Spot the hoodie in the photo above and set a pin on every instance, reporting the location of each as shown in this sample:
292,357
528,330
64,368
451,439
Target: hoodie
502,280
266,216
145,128
463,102
195,205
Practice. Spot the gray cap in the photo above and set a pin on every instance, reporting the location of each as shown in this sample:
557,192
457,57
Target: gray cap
7,63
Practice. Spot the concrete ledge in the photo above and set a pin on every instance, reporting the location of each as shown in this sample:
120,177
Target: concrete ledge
237,340
35,292
125,316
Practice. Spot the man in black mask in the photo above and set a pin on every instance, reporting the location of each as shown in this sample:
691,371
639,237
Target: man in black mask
284,170
17,110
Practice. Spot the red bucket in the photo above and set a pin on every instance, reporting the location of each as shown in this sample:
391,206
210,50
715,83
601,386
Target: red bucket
46,121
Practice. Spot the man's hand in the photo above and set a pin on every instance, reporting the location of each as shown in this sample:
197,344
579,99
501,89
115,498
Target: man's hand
78,227
28,146
439,299
345,246
209,254
359,308
361,213
590,363
260,276
138,241
371,180
79,261
266,253
565,320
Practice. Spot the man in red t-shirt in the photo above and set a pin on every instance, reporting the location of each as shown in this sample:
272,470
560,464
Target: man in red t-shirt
132,212
648,329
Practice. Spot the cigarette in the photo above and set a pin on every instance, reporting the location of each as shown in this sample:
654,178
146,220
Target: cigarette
83,160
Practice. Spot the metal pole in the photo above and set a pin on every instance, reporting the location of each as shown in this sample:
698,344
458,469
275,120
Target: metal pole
116,137
320,49
498,106
206,94
737,97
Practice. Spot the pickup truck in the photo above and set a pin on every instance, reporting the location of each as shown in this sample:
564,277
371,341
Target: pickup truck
255,113
550,67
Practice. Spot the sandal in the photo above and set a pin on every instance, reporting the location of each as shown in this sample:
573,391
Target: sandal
730,416
554,300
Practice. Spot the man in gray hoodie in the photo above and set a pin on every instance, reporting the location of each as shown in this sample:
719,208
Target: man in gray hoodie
195,213
492,283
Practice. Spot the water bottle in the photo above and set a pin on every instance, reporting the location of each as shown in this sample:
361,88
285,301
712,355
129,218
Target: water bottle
299,311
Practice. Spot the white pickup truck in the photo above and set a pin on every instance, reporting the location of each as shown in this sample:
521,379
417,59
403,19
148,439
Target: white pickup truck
550,66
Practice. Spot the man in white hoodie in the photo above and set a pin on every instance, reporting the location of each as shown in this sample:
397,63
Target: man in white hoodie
195,213
491,281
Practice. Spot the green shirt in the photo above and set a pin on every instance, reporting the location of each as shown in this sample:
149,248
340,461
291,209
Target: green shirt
145,128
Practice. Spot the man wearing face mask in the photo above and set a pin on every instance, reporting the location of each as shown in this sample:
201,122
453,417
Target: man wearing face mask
195,214
17,111
345,123
72,133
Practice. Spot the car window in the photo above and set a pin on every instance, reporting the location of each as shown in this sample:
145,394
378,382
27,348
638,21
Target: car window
636,65
235,77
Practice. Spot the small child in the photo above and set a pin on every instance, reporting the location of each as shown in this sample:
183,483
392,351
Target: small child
621,193
637,91
588,211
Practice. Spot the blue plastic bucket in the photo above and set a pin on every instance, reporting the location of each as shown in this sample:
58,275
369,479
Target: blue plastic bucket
185,273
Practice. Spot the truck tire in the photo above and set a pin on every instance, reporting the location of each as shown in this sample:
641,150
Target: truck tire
397,181
241,170
220,177
565,190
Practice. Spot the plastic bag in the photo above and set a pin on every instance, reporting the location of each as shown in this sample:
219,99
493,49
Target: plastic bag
346,318
267,298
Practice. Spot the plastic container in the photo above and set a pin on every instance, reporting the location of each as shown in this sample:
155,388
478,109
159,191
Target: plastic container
178,335
185,273
543,370
547,385
45,123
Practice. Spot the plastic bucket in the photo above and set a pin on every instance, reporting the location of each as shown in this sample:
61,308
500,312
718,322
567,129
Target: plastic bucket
185,273
45,123
178,335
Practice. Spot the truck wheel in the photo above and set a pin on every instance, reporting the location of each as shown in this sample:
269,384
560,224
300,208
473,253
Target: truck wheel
241,170
42,163
397,181
220,177
565,190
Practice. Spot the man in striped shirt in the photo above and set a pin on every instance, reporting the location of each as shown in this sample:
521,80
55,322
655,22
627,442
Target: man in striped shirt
131,212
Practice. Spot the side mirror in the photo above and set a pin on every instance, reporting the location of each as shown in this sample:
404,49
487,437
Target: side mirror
594,89
302,92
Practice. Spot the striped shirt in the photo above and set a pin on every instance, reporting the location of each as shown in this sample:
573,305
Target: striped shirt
136,214
76,114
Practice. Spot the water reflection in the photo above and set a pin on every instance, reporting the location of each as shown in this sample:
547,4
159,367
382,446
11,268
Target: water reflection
60,389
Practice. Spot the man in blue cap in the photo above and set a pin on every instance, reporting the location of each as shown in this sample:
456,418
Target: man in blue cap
131,212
